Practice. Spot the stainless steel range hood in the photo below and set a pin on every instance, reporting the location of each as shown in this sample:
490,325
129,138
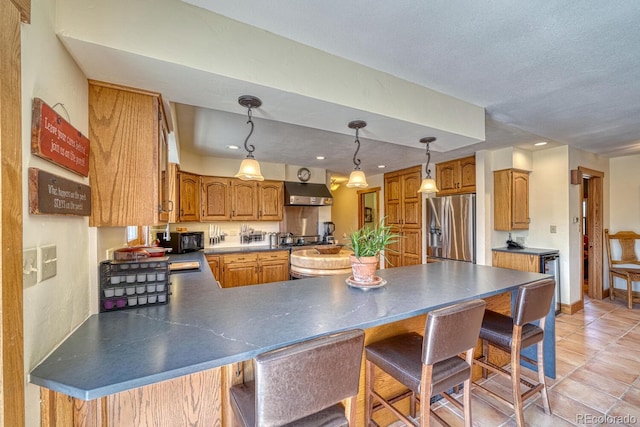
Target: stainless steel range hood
305,194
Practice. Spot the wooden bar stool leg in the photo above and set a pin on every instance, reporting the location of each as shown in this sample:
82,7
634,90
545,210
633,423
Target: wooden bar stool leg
368,396
425,396
467,393
485,355
515,376
629,293
541,378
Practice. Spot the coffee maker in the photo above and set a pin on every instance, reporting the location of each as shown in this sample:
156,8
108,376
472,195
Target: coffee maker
329,228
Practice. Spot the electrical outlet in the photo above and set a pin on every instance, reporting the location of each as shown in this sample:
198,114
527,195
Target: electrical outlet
29,267
552,229
47,262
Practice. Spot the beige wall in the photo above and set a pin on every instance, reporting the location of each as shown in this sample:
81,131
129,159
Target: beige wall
55,307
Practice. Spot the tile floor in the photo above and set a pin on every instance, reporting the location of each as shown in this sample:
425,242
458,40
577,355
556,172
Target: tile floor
598,374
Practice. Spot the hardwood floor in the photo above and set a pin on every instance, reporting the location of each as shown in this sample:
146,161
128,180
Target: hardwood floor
598,374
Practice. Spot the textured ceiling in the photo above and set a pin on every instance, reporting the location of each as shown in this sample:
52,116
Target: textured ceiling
564,71
559,71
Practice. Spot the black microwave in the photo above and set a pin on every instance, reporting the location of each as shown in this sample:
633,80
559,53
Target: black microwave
182,241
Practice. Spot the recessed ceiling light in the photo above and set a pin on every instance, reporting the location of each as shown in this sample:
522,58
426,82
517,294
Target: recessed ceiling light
382,166
319,157
537,144
232,147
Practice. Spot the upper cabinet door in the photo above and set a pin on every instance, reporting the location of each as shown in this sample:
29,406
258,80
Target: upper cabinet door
447,177
189,187
271,198
510,200
456,176
216,198
124,163
468,175
392,196
244,203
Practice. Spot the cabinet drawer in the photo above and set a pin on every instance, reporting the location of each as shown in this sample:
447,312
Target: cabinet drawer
277,255
241,257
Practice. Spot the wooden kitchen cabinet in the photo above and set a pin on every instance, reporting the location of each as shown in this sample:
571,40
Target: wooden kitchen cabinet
251,268
403,211
510,200
239,270
273,266
214,265
270,200
216,198
127,130
226,199
456,176
244,203
189,197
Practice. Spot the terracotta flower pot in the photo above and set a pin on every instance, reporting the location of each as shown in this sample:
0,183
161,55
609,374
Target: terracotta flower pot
364,268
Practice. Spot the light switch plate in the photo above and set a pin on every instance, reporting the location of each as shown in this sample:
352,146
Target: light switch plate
552,229
29,267
48,262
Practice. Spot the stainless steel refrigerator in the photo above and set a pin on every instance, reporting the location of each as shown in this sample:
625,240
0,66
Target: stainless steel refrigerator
451,227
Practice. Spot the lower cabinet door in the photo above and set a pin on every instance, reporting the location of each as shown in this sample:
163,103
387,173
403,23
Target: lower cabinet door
239,274
274,271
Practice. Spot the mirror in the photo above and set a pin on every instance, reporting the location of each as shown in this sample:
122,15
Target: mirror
368,207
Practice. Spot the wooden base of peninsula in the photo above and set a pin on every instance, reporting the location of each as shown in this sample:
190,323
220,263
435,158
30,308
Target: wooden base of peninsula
202,399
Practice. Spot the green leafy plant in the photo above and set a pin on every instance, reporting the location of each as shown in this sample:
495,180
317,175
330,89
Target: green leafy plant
370,241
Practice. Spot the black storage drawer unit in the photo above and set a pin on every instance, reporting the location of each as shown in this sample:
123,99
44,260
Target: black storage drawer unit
133,284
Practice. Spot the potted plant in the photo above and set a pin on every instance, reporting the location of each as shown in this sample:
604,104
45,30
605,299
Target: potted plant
366,244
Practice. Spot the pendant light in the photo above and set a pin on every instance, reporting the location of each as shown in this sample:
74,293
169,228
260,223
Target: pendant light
249,168
428,185
357,178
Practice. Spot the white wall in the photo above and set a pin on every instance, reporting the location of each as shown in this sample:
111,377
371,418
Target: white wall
55,307
549,206
624,202
624,180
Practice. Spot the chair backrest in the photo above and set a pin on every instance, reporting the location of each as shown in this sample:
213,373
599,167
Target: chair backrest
533,301
301,379
627,241
451,330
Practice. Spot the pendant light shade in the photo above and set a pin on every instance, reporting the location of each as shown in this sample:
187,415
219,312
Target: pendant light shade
357,178
428,185
249,168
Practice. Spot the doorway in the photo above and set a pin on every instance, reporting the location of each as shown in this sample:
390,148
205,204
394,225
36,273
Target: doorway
591,229
368,207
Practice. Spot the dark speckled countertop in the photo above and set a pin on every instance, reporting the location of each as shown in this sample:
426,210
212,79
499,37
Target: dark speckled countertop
204,327
527,251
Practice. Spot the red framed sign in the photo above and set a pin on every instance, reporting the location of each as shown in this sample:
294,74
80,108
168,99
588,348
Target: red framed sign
55,140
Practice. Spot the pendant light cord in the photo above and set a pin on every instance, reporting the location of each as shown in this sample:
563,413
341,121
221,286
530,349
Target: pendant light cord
249,147
356,162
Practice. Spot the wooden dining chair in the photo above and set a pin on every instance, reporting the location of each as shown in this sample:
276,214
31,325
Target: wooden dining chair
625,266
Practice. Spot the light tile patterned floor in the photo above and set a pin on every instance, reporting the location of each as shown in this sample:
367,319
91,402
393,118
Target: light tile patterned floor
598,374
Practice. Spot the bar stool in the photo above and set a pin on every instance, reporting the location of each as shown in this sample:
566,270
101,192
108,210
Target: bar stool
427,366
513,334
303,382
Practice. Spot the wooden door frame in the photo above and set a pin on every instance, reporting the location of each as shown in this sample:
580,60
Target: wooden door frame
12,409
595,203
361,206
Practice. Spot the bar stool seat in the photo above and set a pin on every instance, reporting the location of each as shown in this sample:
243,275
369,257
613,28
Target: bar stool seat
303,384
427,366
512,334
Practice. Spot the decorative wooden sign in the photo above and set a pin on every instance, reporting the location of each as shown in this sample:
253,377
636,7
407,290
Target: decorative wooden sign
52,194
54,139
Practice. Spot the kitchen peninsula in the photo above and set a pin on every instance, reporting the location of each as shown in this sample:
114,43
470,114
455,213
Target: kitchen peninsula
172,364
